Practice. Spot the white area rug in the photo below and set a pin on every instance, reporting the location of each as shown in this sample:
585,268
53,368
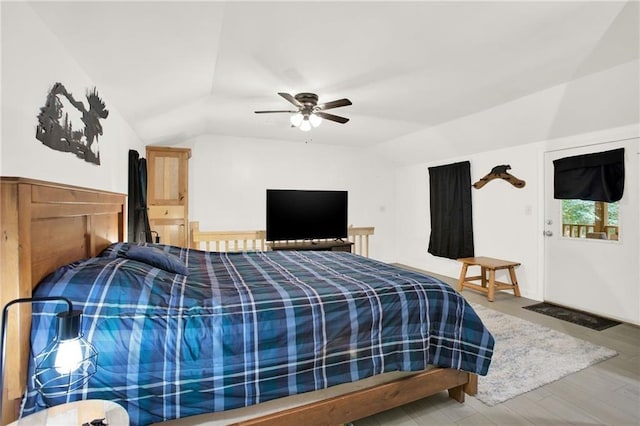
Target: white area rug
527,356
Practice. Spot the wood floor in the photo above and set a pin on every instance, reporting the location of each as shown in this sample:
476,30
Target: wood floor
607,393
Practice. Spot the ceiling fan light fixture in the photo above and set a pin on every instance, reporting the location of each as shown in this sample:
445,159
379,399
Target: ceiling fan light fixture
296,119
315,120
309,112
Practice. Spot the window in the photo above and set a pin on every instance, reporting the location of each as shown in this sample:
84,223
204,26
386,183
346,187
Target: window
590,219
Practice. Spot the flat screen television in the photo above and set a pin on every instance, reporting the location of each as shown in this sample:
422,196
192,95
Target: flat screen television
306,214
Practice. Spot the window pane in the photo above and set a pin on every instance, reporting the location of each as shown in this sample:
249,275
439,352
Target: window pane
590,219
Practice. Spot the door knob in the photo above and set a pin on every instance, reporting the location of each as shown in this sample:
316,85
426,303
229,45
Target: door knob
548,233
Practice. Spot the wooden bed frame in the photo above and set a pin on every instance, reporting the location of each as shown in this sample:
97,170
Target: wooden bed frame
45,225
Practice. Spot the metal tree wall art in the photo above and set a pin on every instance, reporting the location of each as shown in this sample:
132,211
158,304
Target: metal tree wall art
65,124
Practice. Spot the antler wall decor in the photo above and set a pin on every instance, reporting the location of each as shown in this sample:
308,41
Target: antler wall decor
500,172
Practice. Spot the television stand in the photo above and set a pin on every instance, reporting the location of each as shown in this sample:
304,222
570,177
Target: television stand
311,245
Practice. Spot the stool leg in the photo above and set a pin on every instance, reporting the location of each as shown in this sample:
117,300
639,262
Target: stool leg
492,284
483,274
514,281
463,275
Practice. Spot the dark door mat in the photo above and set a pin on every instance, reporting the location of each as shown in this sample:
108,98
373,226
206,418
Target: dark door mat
584,319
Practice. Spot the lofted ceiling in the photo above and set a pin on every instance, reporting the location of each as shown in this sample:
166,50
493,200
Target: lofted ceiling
176,69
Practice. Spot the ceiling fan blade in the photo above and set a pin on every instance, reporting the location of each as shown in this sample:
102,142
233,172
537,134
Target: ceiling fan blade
334,104
331,117
290,99
264,112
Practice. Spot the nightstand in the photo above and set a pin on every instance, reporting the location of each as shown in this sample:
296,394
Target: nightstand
77,413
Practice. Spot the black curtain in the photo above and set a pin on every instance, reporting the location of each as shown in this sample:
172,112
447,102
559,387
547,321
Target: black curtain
137,217
595,177
450,205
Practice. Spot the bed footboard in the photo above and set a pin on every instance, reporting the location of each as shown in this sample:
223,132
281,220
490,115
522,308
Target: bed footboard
344,407
366,402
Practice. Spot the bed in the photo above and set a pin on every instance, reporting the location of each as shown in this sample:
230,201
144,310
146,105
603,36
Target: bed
217,336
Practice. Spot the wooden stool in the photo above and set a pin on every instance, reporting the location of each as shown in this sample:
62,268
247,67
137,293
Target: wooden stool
492,265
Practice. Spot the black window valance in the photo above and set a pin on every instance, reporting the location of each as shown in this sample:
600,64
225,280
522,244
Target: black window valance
595,177
451,212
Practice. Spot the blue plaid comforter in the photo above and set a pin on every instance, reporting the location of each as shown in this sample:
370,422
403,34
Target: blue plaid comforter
244,328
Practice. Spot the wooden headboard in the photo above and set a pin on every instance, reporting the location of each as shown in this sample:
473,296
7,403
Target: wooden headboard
43,226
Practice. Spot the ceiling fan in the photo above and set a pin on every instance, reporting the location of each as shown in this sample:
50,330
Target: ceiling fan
310,113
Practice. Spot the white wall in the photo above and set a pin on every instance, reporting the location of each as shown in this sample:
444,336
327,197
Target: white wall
505,218
33,60
508,222
229,177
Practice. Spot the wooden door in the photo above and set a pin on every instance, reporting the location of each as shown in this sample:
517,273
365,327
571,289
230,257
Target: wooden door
168,194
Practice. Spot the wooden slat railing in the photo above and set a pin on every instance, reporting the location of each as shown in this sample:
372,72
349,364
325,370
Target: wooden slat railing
226,240
580,230
256,240
359,236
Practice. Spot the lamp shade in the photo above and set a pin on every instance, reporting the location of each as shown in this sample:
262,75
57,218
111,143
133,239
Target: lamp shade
305,126
315,120
67,362
296,119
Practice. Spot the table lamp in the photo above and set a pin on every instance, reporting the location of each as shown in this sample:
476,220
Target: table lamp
67,362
